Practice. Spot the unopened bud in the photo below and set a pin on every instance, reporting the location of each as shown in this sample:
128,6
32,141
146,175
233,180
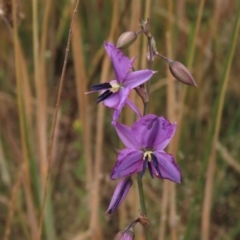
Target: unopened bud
181,73
145,26
126,39
126,234
142,93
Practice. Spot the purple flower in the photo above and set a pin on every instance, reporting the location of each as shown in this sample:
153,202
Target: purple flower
115,93
119,194
127,233
145,142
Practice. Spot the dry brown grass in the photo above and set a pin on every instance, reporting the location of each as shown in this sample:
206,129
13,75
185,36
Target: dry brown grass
205,206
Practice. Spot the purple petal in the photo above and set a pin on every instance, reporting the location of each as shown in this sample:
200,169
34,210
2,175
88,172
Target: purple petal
133,106
145,130
120,193
123,94
153,132
168,167
130,164
126,136
112,101
124,153
126,234
121,64
134,79
164,133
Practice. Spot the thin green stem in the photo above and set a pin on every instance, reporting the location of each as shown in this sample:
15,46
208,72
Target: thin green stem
145,112
150,60
141,194
146,103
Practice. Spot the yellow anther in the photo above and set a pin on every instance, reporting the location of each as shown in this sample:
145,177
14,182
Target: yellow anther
115,87
148,155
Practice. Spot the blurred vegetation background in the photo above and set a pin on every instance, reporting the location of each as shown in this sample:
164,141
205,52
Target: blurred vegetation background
201,34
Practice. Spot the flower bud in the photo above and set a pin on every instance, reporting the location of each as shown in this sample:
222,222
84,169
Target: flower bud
145,26
119,194
181,73
126,39
126,234
142,93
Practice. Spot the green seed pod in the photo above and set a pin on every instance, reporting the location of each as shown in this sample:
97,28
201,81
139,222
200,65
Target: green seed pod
126,39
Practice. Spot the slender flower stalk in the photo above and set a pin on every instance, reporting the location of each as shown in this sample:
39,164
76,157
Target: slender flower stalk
145,112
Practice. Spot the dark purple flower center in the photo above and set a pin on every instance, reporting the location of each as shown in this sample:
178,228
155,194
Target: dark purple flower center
150,159
109,87
101,86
